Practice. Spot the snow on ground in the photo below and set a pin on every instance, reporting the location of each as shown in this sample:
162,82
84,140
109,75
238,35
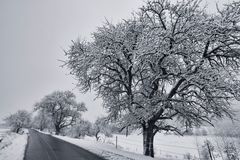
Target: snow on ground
106,150
12,146
170,147
165,146
130,147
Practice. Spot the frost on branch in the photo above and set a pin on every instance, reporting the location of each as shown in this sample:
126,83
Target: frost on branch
169,62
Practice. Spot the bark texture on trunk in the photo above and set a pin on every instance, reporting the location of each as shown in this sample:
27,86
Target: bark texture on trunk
148,137
41,128
57,128
96,135
18,129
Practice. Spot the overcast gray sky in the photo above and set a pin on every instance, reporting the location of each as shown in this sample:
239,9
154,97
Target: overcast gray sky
32,36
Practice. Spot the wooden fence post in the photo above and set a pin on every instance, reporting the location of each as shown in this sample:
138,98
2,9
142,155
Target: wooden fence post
116,141
209,150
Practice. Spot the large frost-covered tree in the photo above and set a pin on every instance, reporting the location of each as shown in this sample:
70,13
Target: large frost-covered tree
62,107
170,62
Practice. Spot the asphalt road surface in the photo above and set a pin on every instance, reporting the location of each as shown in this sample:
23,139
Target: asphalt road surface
45,147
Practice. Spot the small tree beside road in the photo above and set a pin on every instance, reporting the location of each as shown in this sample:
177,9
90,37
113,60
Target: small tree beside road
19,120
62,107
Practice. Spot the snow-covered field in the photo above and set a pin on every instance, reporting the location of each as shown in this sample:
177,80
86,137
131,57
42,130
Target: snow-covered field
12,146
165,146
106,150
170,147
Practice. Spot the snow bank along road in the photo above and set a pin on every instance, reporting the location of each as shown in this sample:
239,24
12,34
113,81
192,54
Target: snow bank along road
46,147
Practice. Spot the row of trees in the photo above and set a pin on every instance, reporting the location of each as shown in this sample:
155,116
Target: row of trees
100,129
59,112
169,62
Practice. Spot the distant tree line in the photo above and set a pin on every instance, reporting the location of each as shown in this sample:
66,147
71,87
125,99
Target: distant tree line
59,112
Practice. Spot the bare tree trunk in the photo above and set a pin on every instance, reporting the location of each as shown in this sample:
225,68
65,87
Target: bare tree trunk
96,135
57,128
42,125
18,129
148,137
41,128
209,151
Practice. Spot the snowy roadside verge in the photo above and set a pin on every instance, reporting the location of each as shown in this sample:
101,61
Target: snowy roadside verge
12,146
107,151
